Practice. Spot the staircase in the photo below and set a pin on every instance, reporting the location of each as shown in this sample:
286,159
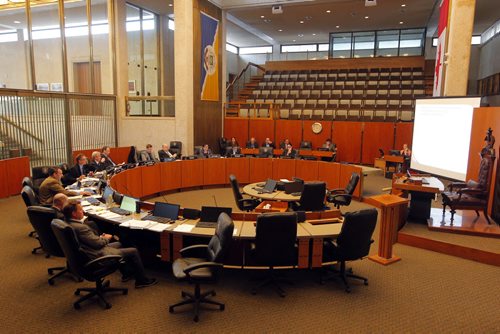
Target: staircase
249,87
10,148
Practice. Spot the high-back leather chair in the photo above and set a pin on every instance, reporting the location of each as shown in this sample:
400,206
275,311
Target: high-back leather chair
312,197
91,270
471,195
353,243
305,145
40,218
117,197
29,196
202,263
27,181
275,245
132,155
266,152
343,196
176,147
39,174
244,204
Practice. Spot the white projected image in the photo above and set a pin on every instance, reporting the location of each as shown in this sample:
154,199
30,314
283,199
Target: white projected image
441,136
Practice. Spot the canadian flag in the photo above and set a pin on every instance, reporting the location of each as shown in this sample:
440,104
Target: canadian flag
441,48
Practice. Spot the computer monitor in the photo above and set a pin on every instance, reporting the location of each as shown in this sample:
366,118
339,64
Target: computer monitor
266,152
394,152
211,213
166,210
128,203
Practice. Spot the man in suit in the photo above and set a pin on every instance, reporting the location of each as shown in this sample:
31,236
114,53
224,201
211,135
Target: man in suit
78,171
95,246
252,143
97,164
232,151
284,143
289,152
268,143
148,154
206,152
52,186
105,159
165,155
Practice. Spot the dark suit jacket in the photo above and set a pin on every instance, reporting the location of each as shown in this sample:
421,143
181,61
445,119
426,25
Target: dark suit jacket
73,174
232,151
249,145
165,155
271,145
96,166
92,244
291,154
107,161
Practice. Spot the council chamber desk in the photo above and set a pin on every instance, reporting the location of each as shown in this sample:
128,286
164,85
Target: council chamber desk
277,195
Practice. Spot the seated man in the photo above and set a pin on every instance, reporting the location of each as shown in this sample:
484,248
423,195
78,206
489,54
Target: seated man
289,152
78,171
331,147
52,186
268,143
94,246
232,151
165,155
105,159
60,201
148,154
205,152
252,143
97,164
284,143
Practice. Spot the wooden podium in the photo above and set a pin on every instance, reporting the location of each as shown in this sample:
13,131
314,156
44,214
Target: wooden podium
393,208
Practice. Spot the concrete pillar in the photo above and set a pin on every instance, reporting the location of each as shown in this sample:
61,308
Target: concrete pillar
184,62
461,22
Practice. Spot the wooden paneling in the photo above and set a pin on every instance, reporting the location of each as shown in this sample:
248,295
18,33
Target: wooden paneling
118,182
307,170
4,189
260,129
237,128
283,169
288,129
345,175
330,173
171,175
239,167
87,153
214,171
207,115
151,175
319,138
347,137
404,135
17,169
133,185
192,173
119,154
262,168
376,135
381,62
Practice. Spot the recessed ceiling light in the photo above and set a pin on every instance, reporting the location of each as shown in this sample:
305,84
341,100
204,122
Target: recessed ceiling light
367,17
170,5
280,30
301,22
300,35
337,27
401,22
17,22
403,5
314,34
294,40
262,16
328,11
267,20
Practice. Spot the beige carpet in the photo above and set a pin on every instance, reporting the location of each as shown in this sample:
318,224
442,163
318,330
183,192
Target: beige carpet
425,292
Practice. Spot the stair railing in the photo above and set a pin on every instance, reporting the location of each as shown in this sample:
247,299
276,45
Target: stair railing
239,82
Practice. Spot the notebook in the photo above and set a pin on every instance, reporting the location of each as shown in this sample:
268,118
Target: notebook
210,214
268,187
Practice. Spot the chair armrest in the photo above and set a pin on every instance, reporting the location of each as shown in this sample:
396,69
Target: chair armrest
335,196
471,191
102,260
200,265
453,185
194,248
336,191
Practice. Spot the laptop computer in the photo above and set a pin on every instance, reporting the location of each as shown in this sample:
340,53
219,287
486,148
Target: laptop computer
108,191
210,214
127,207
268,187
294,187
164,213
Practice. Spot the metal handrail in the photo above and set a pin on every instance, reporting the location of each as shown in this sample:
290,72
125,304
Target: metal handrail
29,134
233,88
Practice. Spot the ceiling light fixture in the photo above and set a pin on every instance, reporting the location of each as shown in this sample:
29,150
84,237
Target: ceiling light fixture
280,30
337,27
170,5
262,16
401,22
293,40
300,35
328,11
367,17
314,34
301,22
403,5
17,22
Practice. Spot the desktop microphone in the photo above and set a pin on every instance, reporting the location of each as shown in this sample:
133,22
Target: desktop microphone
215,201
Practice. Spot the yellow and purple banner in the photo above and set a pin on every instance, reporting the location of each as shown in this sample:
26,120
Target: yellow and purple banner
209,58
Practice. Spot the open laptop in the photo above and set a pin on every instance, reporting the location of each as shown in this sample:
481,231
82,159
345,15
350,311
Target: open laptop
127,207
210,214
164,213
268,187
108,191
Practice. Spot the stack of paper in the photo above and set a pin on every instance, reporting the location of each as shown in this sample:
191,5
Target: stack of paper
139,224
108,214
159,227
184,228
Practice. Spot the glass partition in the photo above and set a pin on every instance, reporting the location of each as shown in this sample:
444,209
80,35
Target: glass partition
341,45
364,44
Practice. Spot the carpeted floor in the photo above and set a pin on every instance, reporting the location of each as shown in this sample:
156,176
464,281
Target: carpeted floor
425,292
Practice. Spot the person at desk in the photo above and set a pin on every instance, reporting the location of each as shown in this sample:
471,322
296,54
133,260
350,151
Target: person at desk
165,155
268,143
105,159
406,154
289,152
232,151
52,186
205,152
330,147
148,154
252,143
233,143
95,246
78,171
284,144
96,165
60,201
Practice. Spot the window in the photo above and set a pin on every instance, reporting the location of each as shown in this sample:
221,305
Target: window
364,44
299,48
323,47
476,40
256,50
231,48
341,45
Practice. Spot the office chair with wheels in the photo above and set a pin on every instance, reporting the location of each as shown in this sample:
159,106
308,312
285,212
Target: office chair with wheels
202,263
27,181
91,270
244,204
39,174
275,245
312,197
353,243
40,218
343,196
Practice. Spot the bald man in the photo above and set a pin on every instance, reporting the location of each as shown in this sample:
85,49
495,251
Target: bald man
164,154
60,201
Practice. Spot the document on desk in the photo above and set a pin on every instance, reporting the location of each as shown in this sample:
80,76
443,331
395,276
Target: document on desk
184,228
235,232
159,227
108,214
137,224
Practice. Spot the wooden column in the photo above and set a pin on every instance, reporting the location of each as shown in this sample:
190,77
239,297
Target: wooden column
391,207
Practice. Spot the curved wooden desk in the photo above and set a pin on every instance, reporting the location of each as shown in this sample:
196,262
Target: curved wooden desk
278,195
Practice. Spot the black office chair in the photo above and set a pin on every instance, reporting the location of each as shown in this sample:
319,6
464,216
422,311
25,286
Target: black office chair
343,196
132,155
27,181
244,204
353,243
40,218
275,245
305,145
312,197
202,263
39,175
176,147
30,199
265,152
91,270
